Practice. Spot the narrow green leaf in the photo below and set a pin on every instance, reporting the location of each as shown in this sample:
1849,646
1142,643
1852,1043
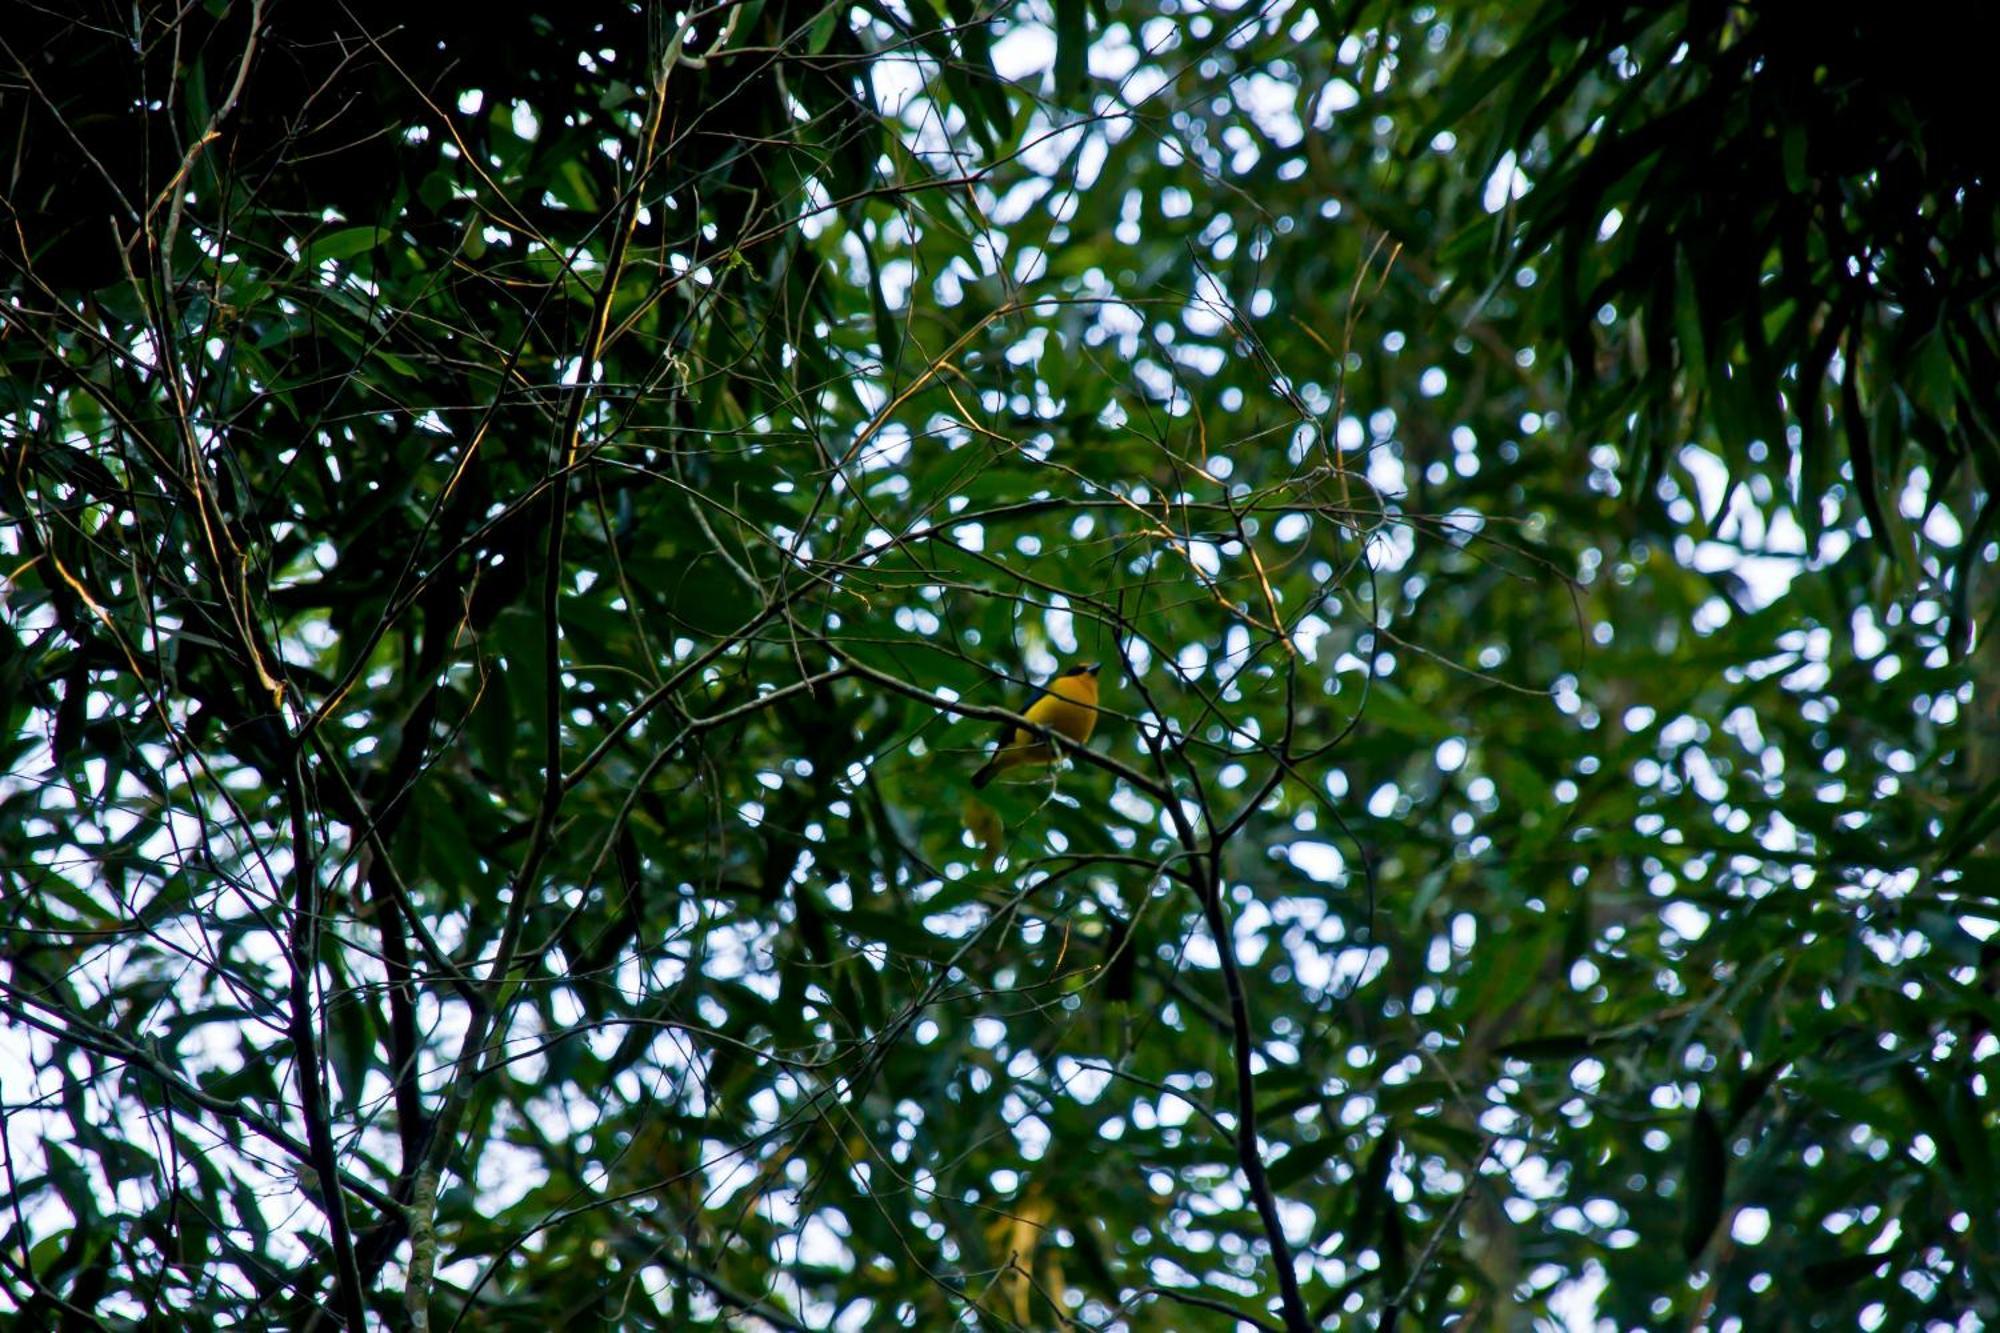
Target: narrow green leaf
1706,1173
1072,50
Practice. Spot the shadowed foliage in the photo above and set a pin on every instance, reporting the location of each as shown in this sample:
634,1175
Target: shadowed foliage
520,522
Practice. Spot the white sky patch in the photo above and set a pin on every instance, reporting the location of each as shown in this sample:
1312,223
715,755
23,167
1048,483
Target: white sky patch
889,448
1389,553
1319,861
929,133
1708,784
1355,968
1310,631
1575,1301
1270,104
1916,488
1213,303
1060,622
1083,1082
1012,206
1089,163
1339,95
1143,84
1044,148
1867,635
813,208
1685,920
871,395
1711,479
1028,348
1507,183
1028,50
1943,529
1462,524
1113,55
1763,545
898,276
897,83
1385,470
1750,1226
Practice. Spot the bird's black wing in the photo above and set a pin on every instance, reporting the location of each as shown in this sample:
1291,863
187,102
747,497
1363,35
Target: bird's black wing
1008,729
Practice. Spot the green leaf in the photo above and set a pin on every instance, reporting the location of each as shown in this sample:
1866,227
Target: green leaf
344,243
1304,1159
1792,140
1706,1173
1072,50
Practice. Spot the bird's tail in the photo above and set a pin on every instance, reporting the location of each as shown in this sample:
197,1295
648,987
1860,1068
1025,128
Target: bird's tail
983,822
985,775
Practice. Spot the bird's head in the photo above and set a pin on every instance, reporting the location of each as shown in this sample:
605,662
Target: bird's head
1084,669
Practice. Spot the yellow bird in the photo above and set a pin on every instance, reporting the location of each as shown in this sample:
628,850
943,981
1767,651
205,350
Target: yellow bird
1068,708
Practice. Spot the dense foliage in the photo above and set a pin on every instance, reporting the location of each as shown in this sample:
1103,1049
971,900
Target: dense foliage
518,523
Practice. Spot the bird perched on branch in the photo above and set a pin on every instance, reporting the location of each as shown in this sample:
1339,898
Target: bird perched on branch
1068,708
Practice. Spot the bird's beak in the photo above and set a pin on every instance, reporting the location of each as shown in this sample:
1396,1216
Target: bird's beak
1091,670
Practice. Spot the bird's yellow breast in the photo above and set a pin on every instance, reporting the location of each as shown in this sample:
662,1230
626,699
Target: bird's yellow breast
1069,709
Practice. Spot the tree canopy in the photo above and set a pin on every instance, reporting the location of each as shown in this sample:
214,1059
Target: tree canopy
519,523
